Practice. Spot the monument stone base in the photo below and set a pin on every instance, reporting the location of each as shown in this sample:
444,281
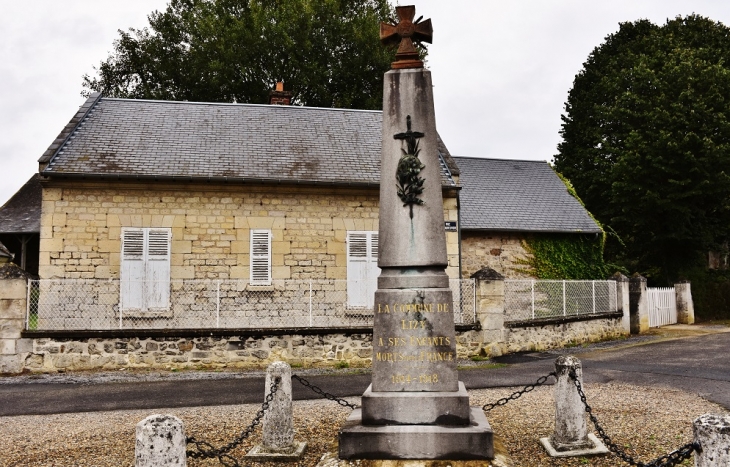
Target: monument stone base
416,408
447,442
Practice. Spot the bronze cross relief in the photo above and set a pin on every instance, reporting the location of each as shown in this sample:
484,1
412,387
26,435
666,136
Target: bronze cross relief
404,34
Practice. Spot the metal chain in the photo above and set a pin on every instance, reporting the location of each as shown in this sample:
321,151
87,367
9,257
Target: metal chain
326,395
206,450
516,395
670,460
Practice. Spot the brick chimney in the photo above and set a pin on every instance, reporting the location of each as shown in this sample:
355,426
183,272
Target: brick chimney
279,96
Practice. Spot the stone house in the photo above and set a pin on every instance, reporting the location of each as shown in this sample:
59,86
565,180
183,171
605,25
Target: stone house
503,202
157,191
161,193
154,191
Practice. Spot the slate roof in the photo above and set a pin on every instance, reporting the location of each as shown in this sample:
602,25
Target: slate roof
122,138
22,212
518,195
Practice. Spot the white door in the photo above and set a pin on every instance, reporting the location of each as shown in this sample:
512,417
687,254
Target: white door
145,269
362,268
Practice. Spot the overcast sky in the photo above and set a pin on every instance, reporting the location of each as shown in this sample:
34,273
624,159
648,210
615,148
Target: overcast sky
501,69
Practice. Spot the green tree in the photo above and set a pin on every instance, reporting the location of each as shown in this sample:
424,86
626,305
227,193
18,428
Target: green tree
327,52
646,142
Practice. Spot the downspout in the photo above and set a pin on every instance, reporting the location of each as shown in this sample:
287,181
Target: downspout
458,227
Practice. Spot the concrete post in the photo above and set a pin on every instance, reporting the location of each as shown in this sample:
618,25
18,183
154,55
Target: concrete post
685,306
13,303
490,307
278,431
712,432
622,300
277,440
571,437
638,303
571,431
161,442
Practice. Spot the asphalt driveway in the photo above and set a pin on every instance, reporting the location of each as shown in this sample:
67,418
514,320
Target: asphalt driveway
696,362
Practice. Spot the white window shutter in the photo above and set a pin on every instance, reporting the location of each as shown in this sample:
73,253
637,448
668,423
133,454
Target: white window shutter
362,268
260,257
157,294
145,269
132,271
133,244
357,246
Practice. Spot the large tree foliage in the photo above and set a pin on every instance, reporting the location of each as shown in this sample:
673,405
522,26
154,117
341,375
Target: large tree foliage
646,142
326,51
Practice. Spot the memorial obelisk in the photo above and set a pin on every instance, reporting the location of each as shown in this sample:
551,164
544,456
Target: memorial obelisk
415,408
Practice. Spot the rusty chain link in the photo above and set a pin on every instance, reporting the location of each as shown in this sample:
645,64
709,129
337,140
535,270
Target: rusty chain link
326,395
517,394
670,460
206,450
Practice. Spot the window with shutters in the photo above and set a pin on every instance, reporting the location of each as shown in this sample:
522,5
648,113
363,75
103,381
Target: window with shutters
362,268
260,257
145,269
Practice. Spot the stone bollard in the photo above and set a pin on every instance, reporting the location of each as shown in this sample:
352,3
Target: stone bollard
712,432
161,442
277,440
571,437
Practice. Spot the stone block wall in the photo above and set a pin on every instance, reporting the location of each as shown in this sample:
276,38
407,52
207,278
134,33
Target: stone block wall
497,337
13,299
501,251
81,227
325,350
551,336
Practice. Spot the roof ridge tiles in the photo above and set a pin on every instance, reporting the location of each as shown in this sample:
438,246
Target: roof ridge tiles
240,104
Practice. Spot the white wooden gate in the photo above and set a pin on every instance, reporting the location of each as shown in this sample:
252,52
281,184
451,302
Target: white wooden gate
662,306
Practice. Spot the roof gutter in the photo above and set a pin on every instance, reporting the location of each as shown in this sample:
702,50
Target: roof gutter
214,179
576,231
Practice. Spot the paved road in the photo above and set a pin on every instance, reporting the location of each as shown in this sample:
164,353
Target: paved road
695,364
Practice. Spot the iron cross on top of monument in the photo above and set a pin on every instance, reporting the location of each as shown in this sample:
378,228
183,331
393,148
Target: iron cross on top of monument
404,34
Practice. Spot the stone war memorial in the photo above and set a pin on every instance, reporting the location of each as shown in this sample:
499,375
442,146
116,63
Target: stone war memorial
415,407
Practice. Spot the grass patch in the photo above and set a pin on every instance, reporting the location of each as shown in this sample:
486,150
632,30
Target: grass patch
341,365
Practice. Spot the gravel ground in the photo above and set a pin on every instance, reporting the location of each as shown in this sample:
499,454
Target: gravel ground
647,422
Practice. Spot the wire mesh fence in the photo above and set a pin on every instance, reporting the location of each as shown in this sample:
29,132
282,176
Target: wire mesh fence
75,304
526,300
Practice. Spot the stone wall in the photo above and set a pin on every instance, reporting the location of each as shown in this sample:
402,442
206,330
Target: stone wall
13,293
81,227
550,336
497,337
501,251
327,350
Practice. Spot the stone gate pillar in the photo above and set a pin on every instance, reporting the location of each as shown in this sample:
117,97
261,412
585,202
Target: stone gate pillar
622,300
639,305
490,306
685,306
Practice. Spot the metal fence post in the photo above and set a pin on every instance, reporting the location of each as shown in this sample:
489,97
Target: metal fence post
474,299
594,296
565,311
310,303
533,299
27,305
218,303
